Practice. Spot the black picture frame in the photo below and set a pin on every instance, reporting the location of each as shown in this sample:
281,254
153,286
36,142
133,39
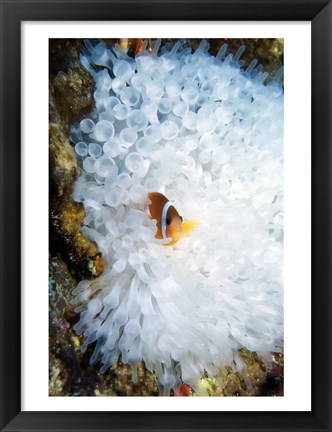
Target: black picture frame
12,13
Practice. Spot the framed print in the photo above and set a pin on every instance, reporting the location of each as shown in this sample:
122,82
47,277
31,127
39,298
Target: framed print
172,191
147,156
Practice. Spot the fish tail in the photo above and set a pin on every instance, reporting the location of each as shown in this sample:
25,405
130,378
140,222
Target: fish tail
188,226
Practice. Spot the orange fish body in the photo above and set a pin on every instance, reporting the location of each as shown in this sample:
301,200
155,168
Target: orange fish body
169,222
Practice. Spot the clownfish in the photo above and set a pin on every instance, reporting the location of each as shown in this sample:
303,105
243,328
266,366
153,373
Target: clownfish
169,223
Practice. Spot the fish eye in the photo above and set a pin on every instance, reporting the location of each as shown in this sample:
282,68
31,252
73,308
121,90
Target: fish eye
168,222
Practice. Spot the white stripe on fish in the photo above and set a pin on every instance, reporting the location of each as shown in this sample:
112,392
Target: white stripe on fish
164,217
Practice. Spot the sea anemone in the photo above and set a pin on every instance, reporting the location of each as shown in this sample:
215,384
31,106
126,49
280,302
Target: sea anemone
208,134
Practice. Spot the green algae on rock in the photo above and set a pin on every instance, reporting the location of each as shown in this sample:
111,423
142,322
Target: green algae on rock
69,371
70,97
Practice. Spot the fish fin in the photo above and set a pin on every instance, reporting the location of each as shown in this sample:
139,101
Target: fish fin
171,243
188,226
